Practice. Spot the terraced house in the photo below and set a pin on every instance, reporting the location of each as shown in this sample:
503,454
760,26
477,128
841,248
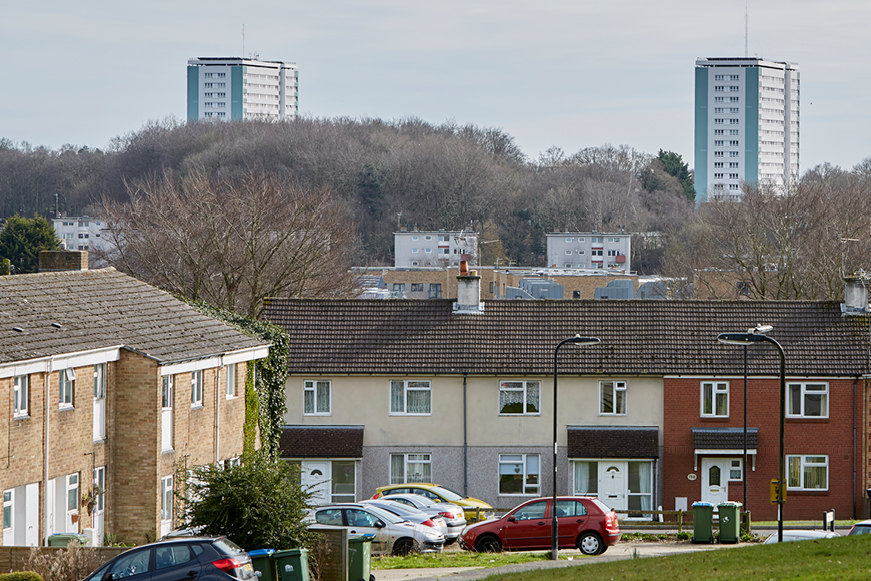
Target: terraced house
110,387
461,393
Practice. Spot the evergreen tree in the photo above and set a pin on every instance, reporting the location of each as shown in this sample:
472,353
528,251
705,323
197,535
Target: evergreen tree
22,239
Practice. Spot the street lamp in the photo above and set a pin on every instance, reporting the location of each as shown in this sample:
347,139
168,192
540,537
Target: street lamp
756,335
583,342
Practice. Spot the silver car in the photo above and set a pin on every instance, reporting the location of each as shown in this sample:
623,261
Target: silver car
454,515
392,535
410,513
795,535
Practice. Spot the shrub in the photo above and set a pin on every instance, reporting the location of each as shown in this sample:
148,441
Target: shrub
70,564
21,576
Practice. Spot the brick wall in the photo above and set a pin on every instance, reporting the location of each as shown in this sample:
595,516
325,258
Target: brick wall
832,437
54,260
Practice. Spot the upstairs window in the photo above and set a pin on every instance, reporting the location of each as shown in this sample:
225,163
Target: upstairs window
715,399
519,398
317,398
197,388
410,397
67,386
807,400
612,398
20,395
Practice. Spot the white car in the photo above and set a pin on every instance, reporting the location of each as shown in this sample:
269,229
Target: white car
411,514
392,535
789,536
453,514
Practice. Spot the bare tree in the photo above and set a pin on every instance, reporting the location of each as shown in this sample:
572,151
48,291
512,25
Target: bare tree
231,241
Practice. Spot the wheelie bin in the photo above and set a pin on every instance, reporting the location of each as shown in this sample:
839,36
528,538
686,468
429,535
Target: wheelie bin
703,522
730,522
291,564
360,558
263,563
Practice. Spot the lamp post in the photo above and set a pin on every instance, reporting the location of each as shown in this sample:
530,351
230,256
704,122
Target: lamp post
581,341
756,335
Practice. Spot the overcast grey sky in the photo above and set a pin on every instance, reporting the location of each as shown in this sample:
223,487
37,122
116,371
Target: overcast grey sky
570,74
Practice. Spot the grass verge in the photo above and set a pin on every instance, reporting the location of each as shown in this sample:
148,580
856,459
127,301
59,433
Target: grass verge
458,559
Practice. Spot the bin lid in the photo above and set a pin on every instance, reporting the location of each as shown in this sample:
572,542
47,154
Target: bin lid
730,504
368,538
260,552
288,553
695,504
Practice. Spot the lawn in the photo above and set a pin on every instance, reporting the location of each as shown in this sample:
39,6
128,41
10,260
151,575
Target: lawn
838,558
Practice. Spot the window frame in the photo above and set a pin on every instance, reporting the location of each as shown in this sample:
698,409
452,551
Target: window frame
618,386
66,388
524,389
803,465
231,381
714,385
803,385
527,489
310,386
405,389
422,459
21,396
166,491
197,388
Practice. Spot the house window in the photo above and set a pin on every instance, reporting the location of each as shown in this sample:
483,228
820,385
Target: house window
343,481
568,252
417,287
568,240
519,397
197,388
67,385
7,510
435,290
715,399
231,380
519,474
736,471
398,287
586,478
428,250
73,493
415,250
612,398
317,398
166,499
640,489
100,488
807,472
807,400
410,397
166,414
410,468
20,395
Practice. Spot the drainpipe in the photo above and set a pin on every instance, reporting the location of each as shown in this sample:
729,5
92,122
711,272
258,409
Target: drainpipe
45,382
217,414
855,381
465,444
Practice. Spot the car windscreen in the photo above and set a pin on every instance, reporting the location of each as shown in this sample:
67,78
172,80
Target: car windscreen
448,495
384,515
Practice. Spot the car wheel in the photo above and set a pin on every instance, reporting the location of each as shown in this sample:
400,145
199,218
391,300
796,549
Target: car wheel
488,544
403,547
590,544
450,541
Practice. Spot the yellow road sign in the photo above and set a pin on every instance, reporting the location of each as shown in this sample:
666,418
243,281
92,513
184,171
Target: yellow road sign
776,491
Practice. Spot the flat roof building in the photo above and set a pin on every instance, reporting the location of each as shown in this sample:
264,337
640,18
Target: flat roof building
231,88
746,125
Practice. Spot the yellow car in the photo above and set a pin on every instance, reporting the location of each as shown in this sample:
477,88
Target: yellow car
475,509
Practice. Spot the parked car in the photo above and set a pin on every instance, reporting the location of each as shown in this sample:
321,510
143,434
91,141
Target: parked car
582,522
410,513
202,558
453,514
392,534
796,535
861,528
474,508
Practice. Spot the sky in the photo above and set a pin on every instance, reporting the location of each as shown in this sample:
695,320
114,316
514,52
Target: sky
551,73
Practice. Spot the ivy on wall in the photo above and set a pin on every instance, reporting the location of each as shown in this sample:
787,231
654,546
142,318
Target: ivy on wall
264,390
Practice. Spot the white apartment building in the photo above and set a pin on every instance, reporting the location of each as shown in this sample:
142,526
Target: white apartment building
589,250
434,248
229,89
82,233
746,125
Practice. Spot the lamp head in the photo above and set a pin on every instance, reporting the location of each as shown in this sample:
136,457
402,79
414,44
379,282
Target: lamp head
578,340
739,338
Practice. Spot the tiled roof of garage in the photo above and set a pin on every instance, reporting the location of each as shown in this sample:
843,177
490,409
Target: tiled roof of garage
613,442
724,438
321,442
639,337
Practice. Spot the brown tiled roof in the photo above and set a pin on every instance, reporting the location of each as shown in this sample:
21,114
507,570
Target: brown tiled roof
73,311
321,442
639,337
613,442
724,438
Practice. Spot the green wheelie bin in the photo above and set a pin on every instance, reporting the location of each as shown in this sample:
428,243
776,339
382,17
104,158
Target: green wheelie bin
730,522
703,522
291,564
263,563
360,558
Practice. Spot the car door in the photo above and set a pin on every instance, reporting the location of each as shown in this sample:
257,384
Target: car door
571,518
361,522
134,565
527,527
177,562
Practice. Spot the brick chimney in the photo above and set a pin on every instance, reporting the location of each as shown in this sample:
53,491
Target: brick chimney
468,291
60,260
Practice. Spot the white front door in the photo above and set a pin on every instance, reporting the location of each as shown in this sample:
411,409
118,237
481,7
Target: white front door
715,480
316,477
612,489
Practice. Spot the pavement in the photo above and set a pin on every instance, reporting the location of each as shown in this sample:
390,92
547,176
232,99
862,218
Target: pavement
621,551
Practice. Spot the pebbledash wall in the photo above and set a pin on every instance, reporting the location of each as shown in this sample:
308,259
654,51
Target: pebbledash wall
835,439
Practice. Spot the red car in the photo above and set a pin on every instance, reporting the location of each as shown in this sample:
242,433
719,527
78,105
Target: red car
585,523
